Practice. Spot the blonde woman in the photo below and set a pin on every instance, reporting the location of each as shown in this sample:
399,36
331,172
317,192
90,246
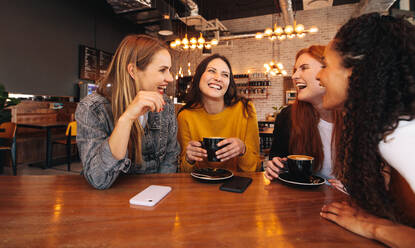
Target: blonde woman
129,125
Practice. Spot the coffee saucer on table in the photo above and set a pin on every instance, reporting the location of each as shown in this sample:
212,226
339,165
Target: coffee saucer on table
315,181
211,174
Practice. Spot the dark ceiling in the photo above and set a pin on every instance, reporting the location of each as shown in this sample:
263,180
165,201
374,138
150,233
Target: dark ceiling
221,9
231,9
150,18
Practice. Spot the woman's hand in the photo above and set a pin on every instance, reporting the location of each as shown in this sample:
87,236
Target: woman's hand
338,185
195,152
360,222
143,102
352,218
234,147
273,167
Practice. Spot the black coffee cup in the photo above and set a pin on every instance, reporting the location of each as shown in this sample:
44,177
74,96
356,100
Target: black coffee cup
211,146
300,167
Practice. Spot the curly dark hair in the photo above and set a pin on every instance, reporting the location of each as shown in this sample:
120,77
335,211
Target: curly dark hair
381,52
194,97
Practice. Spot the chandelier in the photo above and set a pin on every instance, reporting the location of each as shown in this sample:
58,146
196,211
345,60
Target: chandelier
193,43
298,30
275,69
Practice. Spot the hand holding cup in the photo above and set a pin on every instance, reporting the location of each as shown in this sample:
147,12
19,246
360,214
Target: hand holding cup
195,152
230,148
274,167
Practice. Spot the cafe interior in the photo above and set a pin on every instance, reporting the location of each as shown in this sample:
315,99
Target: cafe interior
52,54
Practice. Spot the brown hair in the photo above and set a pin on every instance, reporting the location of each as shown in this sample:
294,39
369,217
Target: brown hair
304,135
194,97
120,88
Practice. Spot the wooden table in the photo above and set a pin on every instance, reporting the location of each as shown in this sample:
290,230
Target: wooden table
48,126
65,211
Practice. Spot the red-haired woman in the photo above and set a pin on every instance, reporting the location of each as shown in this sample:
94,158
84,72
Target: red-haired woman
305,127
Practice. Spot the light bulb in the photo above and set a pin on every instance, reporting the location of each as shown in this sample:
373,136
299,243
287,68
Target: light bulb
313,29
302,35
288,29
299,28
185,41
172,44
258,36
290,36
268,31
193,46
178,42
200,46
282,37
280,66
278,30
284,72
214,42
193,40
201,40
267,67
208,46
185,47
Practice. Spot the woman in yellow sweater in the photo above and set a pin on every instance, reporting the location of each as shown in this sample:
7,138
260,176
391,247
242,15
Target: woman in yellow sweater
214,109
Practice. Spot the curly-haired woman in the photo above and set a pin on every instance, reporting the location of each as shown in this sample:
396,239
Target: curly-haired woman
214,109
129,125
369,72
306,127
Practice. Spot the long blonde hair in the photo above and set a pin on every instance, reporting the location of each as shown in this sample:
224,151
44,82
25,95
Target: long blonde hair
119,87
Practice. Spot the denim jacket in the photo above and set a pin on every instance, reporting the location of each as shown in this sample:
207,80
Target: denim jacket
160,149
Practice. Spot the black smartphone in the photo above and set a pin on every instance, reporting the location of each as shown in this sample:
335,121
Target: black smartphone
236,184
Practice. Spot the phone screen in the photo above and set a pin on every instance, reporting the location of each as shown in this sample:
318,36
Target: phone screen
236,184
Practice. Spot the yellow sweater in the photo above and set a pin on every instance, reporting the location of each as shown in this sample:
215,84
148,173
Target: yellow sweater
194,124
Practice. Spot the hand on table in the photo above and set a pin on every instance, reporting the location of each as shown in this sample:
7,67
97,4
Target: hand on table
352,218
273,167
195,152
234,148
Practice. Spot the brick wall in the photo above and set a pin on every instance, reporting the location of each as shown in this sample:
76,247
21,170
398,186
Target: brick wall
251,54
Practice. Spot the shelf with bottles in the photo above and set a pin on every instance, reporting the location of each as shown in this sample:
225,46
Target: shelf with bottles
253,85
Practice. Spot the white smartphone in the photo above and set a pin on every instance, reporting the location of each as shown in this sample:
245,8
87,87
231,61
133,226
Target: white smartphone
150,196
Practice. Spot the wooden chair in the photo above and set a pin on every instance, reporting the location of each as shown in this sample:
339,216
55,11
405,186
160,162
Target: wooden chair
68,141
8,133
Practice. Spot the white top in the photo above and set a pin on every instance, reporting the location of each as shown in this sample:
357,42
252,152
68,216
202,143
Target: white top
143,119
399,150
326,128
